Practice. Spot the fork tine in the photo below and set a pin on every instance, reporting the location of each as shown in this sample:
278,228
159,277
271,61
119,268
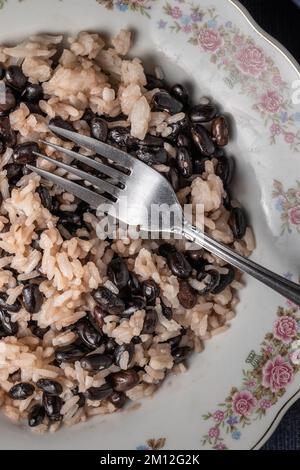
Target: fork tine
101,167
97,182
93,199
117,156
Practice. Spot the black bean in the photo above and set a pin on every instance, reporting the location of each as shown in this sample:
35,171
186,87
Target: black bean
163,101
99,393
238,222
69,220
3,334
187,296
199,165
225,169
225,280
136,340
14,308
150,291
165,249
8,102
83,207
183,141
203,113
96,318
33,93
154,82
21,391
174,342
7,134
109,301
196,260
88,334
46,198
159,156
227,200
133,284
120,136
124,380
219,152
210,280
118,273
166,311
10,328
2,71
99,129
34,108
96,362
32,298
14,173
15,376
124,355
15,77
220,131
135,303
36,330
71,353
81,401
24,153
150,141
179,265
150,322
180,93
36,416
59,122
174,178
110,346
203,140
2,146
51,387
181,354
175,131
52,405
184,162
118,399
88,115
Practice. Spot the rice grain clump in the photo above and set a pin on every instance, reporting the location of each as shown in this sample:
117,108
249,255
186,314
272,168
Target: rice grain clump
87,323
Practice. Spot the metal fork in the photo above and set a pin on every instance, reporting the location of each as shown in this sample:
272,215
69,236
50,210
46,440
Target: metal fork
121,175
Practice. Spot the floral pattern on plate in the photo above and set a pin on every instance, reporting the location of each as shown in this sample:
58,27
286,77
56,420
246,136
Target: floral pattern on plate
287,203
249,69
273,369
140,6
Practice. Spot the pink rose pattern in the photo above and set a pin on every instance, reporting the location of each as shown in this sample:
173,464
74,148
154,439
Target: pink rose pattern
251,60
210,40
243,403
245,63
285,329
277,374
287,203
294,215
273,369
271,101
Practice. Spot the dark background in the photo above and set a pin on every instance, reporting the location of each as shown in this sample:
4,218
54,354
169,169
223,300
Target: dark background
281,18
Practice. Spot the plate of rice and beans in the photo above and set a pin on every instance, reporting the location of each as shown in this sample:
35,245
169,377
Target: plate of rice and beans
92,327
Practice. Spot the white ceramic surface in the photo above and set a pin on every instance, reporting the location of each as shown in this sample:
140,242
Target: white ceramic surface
215,46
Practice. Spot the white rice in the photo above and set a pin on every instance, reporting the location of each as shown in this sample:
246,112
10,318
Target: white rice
68,267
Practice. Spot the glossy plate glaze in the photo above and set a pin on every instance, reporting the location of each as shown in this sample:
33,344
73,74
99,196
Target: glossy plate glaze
234,393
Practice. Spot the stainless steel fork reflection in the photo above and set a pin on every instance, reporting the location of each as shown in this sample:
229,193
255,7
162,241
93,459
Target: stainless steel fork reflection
123,176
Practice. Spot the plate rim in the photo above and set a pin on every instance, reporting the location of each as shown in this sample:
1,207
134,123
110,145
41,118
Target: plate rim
296,66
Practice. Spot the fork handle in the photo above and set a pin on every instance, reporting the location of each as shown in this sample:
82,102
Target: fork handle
290,290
